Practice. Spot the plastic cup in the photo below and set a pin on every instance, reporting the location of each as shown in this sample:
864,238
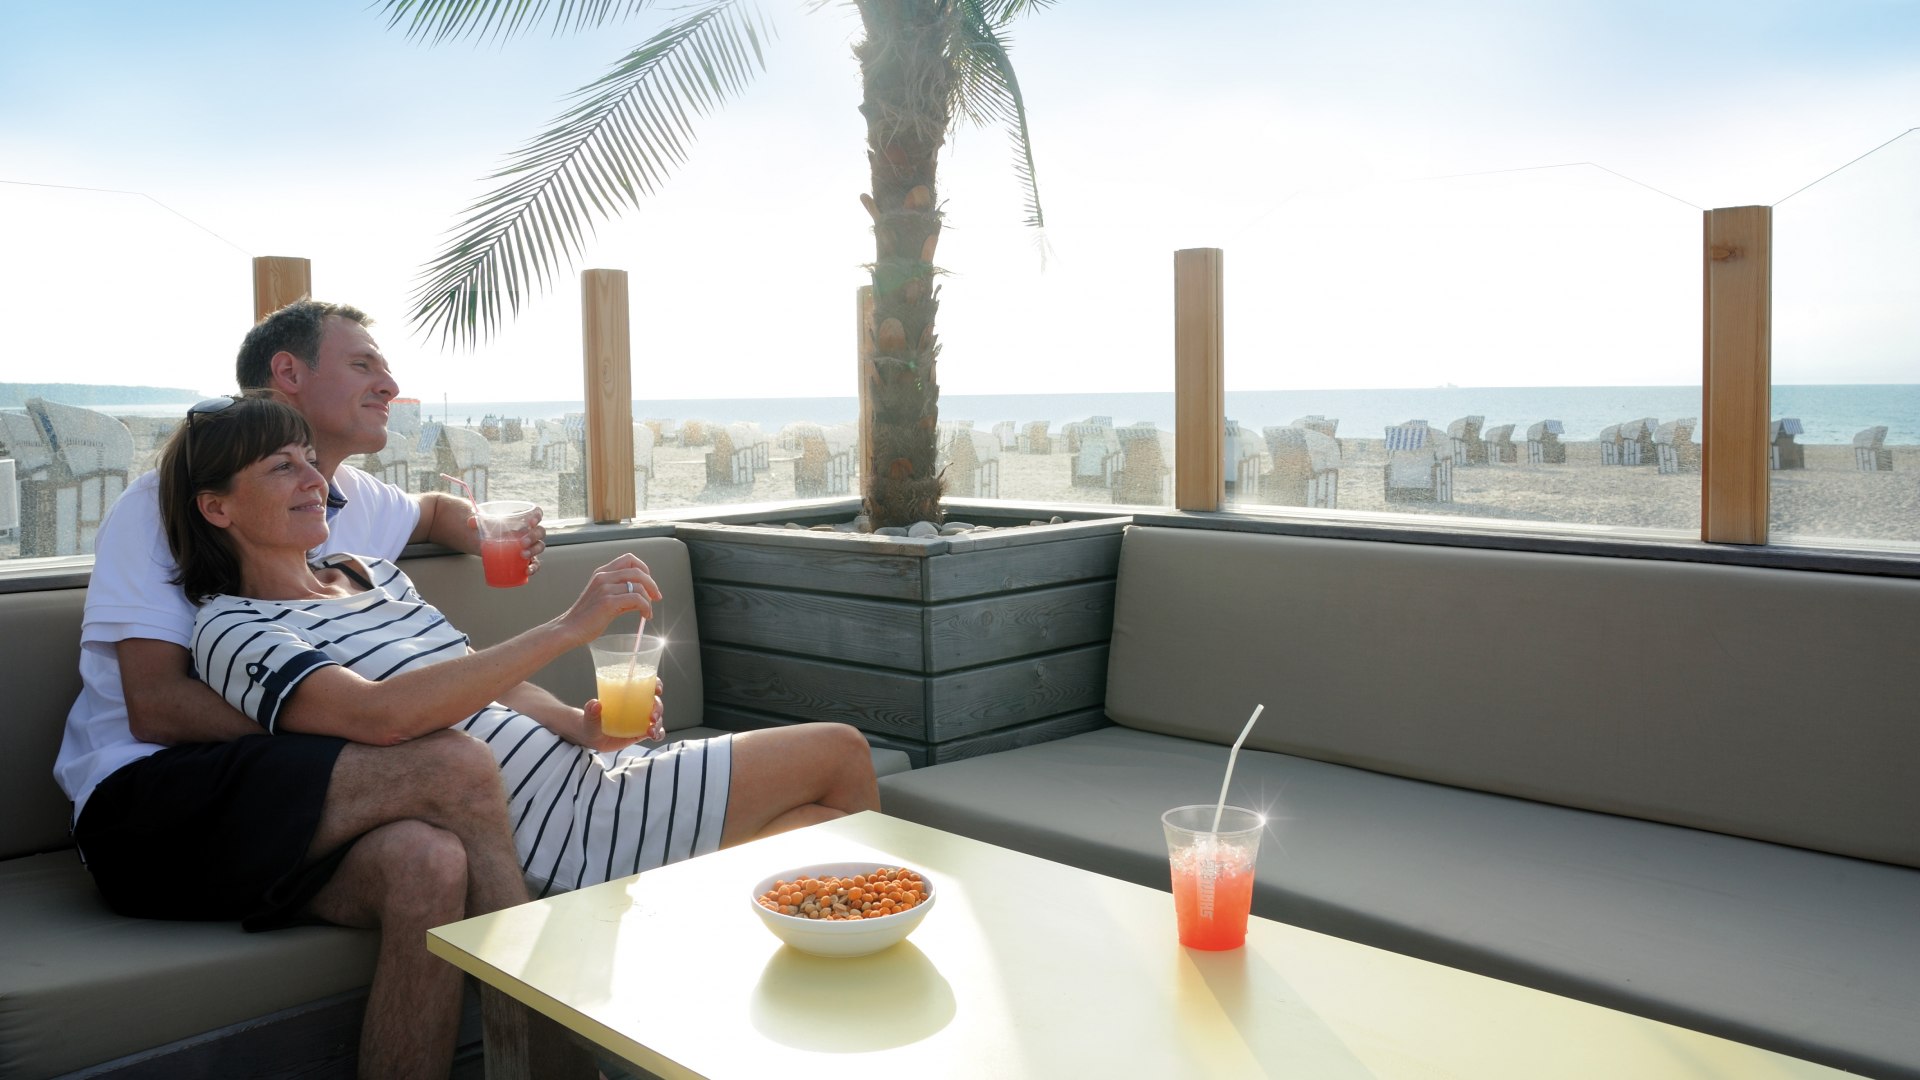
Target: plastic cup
627,678
1212,873
503,535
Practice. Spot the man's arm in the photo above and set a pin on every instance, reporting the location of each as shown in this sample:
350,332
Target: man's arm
443,521
166,705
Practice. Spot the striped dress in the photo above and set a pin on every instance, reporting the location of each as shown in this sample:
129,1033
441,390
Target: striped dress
579,817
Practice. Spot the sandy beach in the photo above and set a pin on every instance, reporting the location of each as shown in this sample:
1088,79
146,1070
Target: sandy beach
1830,500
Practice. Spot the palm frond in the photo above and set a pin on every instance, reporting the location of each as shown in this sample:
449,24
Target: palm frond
435,21
987,91
1001,12
626,134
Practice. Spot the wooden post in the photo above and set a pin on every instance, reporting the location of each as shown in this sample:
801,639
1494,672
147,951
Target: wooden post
609,391
1737,374
1199,380
864,374
279,280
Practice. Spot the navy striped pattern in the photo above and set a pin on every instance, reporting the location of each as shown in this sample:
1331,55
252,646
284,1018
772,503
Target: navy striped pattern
579,817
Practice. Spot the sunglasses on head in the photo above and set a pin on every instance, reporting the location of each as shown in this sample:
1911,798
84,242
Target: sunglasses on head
205,408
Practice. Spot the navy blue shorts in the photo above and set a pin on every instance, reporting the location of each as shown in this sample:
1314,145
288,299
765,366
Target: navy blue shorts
214,831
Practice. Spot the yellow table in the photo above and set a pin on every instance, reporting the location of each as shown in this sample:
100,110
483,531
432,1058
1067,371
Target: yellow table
1025,968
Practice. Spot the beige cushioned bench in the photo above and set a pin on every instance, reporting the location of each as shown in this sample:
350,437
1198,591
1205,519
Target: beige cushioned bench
80,985
1682,790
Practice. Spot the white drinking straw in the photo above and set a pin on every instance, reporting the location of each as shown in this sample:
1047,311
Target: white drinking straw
1231,755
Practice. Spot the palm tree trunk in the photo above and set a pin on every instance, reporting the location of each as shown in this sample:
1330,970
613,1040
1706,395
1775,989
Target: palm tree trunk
907,83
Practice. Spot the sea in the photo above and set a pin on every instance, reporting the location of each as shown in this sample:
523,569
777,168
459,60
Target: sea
1827,414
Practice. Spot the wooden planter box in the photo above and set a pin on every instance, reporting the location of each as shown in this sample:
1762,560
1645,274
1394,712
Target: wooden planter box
944,647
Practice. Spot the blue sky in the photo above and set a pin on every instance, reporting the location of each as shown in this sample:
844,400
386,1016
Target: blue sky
1318,144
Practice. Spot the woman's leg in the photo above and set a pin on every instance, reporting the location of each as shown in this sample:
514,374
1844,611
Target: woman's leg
784,778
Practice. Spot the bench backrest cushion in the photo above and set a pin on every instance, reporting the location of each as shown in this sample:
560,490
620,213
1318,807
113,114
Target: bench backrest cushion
455,585
39,678
1773,704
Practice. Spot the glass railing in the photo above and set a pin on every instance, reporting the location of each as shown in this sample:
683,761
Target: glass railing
1846,356
127,316
1520,345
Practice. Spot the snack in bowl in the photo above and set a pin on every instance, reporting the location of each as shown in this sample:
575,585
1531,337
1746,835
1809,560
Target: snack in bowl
844,908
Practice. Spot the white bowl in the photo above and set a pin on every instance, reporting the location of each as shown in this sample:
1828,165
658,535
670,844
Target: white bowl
839,937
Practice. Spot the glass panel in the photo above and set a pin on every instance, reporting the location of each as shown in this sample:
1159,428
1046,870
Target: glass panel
1518,345
130,314
1846,356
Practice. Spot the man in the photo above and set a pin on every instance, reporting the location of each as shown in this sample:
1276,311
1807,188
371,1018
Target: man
173,789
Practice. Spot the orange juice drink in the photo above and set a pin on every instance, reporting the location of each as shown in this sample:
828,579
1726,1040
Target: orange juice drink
627,669
626,698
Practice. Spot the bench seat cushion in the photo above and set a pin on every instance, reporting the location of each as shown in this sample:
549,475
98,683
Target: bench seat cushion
68,965
1803,952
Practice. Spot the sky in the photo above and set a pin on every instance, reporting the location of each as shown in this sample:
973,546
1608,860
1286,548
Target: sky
1481,193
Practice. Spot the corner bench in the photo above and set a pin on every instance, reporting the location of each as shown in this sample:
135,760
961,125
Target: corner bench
1642,801
84,991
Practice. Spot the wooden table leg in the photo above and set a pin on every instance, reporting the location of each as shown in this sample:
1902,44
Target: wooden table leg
524,1045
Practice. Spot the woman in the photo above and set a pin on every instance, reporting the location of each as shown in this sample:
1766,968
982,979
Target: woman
344,646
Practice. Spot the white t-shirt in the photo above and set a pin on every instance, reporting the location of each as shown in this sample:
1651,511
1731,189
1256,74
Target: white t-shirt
130,596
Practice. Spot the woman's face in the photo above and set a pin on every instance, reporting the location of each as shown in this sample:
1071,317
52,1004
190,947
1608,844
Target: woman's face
279,501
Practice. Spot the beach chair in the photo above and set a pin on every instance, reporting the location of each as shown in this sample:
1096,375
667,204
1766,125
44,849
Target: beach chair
1636,442
1464,441
1306,468
1869,452
971,468
394,461
1035,440
1242,454
1500,448
843,456
1095,425
462,453
1139,472
1784,452
1091,446
1321,424
490,428
70,465
1417,469
643,442
1610,445
1004,433
1674,448
1543,443
696,433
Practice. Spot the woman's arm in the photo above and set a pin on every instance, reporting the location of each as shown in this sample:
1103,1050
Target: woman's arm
335,701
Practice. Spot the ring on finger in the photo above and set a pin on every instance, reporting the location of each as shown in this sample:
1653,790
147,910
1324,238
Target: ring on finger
629,586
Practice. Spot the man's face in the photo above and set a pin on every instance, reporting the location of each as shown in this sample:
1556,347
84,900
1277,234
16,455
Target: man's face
345,396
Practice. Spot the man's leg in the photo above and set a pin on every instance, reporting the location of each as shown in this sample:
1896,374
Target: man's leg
420,810
784,778
403,878
446,779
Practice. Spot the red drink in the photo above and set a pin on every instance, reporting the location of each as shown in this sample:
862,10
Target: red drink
1212,914
501,559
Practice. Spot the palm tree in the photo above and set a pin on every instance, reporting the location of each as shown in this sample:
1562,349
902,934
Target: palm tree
924,64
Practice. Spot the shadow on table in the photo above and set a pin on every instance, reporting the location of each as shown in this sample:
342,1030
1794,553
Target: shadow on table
915,1000
1278,1027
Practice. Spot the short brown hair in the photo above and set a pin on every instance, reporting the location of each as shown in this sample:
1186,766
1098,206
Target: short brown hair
204,454
295,328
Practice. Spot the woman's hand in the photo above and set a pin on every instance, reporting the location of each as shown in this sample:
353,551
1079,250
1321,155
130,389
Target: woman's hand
594,737
622,586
